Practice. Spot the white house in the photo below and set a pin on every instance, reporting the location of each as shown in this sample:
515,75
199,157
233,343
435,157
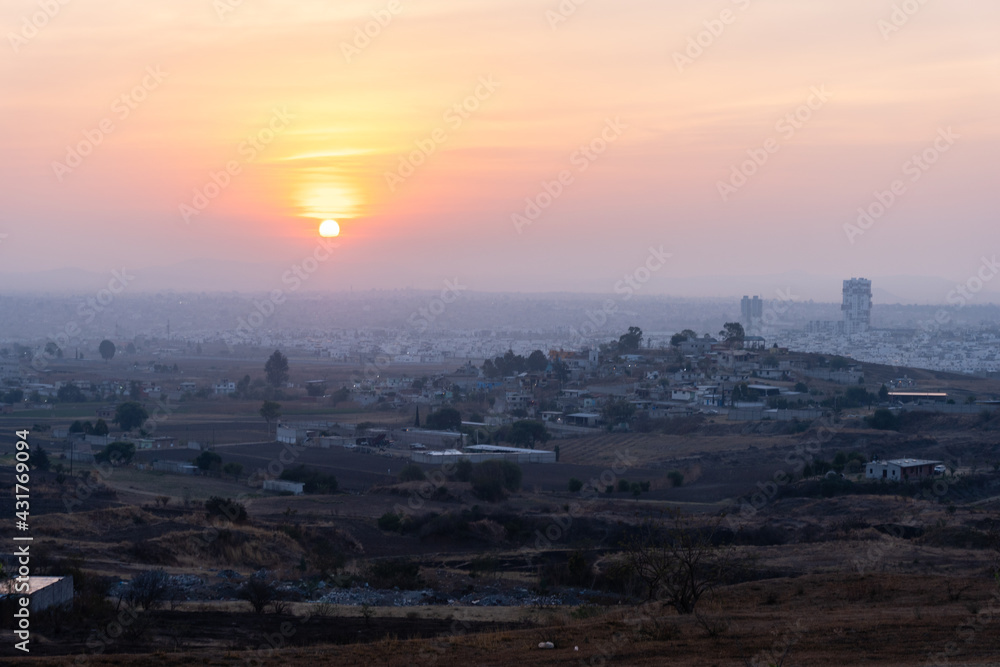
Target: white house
224,388
282,486
898,470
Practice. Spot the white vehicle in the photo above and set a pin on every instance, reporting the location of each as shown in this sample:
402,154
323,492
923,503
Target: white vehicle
940,470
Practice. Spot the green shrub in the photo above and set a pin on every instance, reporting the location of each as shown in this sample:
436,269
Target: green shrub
575,485
676,477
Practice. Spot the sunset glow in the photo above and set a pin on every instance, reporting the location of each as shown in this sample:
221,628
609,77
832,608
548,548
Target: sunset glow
434,127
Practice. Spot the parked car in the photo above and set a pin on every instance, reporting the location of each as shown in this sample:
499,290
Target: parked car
940,470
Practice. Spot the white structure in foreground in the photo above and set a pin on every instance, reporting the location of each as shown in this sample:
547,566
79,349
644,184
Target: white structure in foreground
900,470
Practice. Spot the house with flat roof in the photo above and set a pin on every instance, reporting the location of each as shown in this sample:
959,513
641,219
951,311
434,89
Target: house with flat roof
900,470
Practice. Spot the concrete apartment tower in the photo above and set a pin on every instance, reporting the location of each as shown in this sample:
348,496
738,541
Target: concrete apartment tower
752,315
857,305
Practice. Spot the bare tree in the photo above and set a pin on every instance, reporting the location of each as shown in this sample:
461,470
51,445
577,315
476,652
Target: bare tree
148,589
678,562
258,592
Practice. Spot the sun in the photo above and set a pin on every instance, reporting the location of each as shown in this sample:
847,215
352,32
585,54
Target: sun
329,228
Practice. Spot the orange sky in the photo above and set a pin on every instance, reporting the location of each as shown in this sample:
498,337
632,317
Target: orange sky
314,122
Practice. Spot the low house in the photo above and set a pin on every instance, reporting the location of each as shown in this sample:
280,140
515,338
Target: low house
175,467
582,419
900,470
291,435
282,486
42,593
918,396
224,388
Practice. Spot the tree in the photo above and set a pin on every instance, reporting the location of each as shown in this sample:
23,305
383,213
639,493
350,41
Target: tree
208,461
732,333
116,453
130,415
492,479
631,340
101,427
13,396
883,394
839,363
148,589
258,592
883,420
679,562
526,432
38,459
537,361
445,419
53,350
575,485
270,411
490,369
234,469
276,369
618,411
560,370
107,350
743,392
243,387
70,393
416,420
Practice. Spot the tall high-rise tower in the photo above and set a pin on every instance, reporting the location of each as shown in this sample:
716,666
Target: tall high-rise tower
752,315
857,305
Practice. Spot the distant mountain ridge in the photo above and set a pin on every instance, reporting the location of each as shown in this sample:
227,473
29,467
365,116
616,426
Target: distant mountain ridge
204,275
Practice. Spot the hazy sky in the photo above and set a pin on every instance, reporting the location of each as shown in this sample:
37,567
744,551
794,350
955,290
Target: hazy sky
428,135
